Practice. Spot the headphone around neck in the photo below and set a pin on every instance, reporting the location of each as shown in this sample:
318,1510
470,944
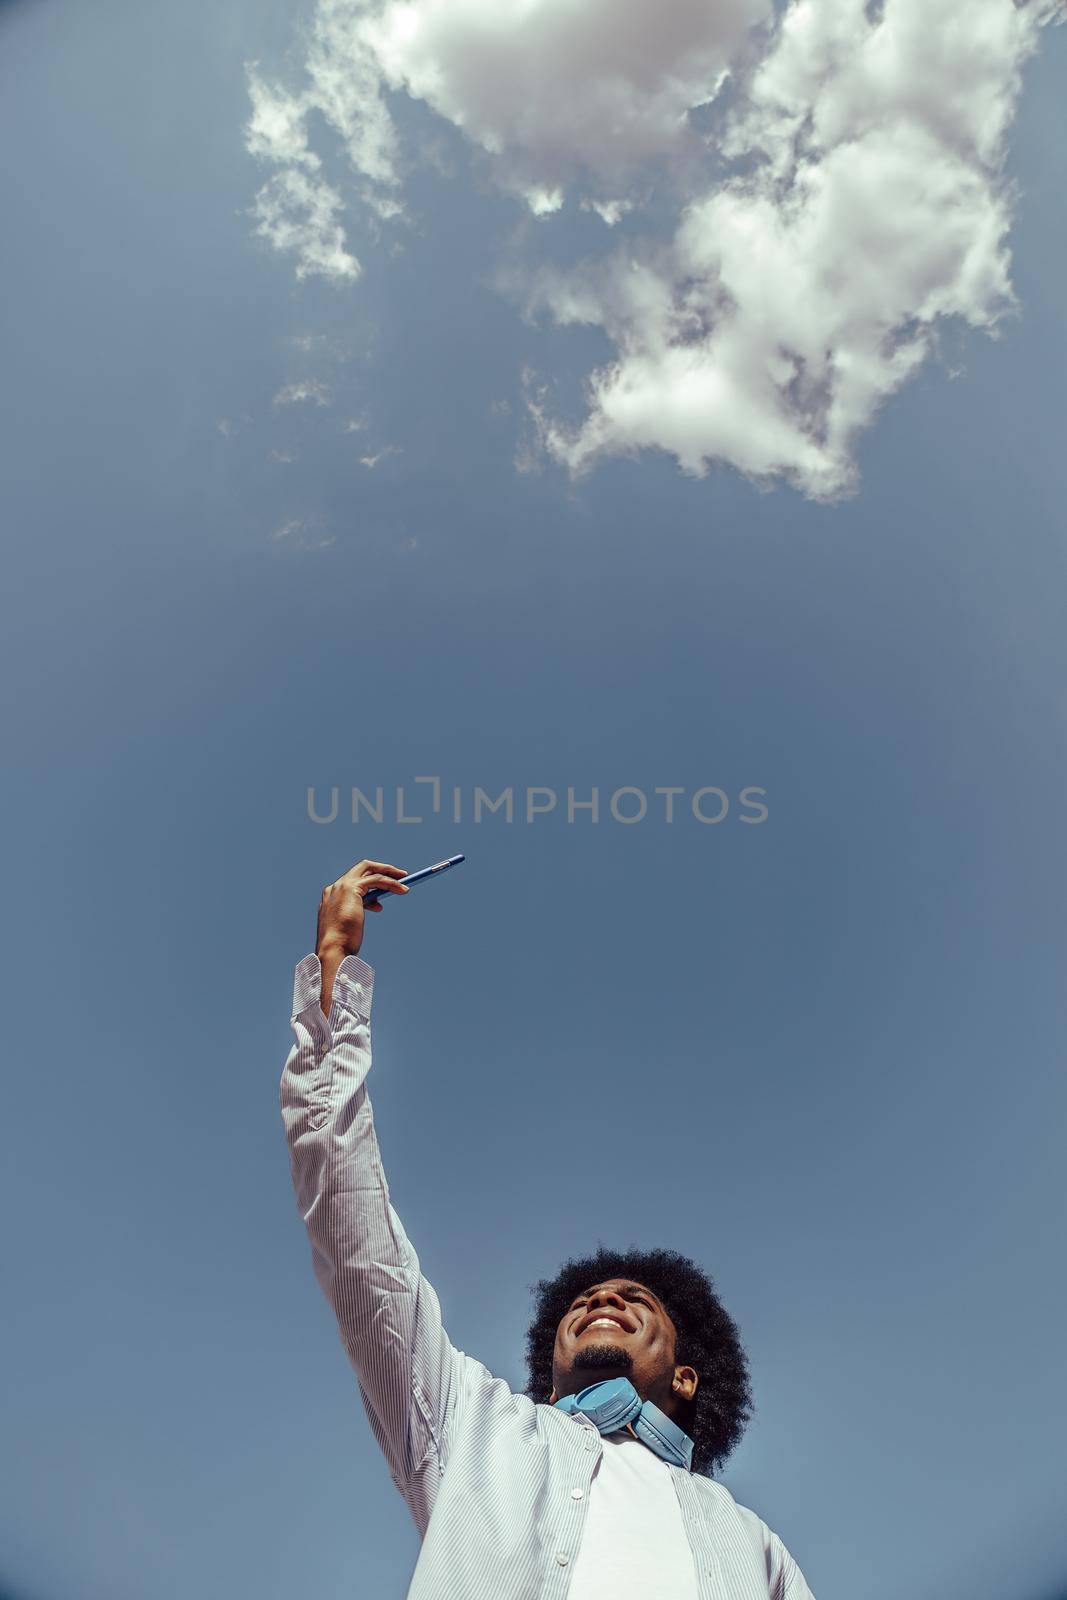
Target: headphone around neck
613,1404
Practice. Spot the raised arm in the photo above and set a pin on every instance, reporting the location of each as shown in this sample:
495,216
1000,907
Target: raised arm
388,1315
339,930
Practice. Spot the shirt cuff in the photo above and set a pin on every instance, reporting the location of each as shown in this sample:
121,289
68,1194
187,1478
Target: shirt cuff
353,987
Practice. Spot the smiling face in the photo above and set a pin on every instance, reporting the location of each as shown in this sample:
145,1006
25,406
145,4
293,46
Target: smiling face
621,1329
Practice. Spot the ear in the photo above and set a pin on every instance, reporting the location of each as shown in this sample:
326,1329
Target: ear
685,1383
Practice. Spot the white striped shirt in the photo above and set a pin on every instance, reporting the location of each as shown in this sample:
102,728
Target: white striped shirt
498,1485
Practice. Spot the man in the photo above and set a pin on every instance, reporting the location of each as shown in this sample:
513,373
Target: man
591,1485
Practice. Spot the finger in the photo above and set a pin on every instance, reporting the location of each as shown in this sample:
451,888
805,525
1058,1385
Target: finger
378,880
383,866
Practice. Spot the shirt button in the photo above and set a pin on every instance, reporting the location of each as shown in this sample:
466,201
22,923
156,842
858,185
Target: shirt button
576,1494
562,1557
590,1443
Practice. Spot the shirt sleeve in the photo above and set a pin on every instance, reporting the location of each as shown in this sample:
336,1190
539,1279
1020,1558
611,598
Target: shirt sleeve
388,1315
785,1581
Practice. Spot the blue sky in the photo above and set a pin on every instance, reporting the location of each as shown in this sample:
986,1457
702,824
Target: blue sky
843,1023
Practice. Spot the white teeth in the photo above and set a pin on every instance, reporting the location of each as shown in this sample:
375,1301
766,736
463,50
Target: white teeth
605,1322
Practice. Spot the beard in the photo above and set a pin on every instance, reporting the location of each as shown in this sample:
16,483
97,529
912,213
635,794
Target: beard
602,1355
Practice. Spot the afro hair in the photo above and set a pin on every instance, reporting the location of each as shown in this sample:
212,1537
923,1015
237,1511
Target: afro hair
708,1340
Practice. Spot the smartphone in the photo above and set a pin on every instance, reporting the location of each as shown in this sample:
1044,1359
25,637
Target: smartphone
374,895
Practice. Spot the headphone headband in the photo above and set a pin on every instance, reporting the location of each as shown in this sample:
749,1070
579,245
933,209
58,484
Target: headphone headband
615,1402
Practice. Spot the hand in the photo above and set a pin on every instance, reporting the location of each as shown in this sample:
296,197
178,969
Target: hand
341,909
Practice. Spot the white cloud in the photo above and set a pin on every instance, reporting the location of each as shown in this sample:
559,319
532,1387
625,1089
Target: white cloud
296,212
307,389
531,450
297,209
793,300
300,533
852,197
229,426
550,89
380,455
556,89
609,211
